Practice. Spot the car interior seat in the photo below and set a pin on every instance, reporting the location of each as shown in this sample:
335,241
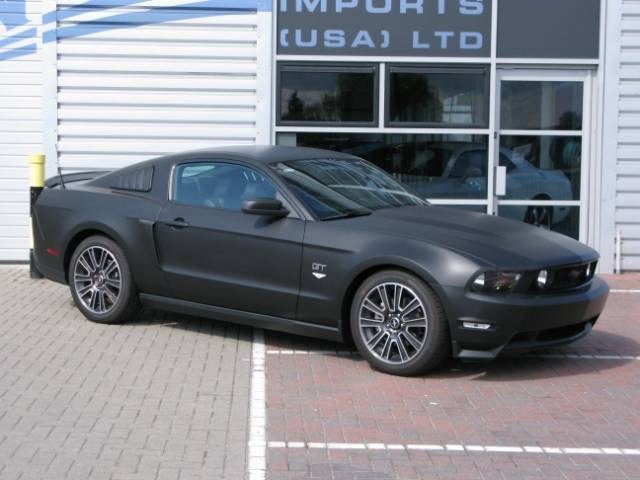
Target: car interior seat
228,192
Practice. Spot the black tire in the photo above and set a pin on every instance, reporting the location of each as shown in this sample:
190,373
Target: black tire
539,216
92,289
436,345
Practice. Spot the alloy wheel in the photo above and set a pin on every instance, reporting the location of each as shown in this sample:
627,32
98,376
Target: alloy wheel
393,323
97,279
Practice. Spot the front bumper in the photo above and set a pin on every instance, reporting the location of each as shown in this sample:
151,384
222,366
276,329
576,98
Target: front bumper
522,322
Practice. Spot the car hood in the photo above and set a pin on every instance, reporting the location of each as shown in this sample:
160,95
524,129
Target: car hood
499,241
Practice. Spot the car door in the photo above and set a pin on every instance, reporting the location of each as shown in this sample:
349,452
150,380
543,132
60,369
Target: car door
213,253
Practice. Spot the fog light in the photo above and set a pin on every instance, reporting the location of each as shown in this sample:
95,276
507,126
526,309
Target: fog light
543,278
476,325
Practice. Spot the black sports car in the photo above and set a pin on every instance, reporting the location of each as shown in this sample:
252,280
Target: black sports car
315,243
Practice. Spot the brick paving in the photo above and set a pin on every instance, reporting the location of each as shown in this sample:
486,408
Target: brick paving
163,397
518,401
167,397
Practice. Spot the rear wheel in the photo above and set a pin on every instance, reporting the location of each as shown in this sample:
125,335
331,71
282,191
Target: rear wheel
539,216
101,282
398,324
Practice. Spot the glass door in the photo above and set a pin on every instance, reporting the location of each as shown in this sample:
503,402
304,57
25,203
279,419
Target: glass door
542,148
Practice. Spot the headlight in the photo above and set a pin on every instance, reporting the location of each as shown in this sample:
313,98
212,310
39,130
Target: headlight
495,281
543,279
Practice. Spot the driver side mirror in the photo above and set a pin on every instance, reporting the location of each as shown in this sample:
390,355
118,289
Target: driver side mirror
269,207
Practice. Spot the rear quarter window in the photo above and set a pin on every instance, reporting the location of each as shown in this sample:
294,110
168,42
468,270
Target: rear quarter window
137,180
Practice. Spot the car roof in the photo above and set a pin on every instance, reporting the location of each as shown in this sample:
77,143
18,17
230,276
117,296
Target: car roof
259,154
253,154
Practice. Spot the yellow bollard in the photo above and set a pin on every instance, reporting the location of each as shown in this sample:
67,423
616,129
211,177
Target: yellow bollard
36,183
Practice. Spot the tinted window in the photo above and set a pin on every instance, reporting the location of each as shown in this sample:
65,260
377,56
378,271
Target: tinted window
438,96
552,166
334,188
541,105
327,94
219,185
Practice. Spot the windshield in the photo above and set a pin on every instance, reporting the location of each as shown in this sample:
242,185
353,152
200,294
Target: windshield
339,188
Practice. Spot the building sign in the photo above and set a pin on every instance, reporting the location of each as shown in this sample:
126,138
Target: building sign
424,28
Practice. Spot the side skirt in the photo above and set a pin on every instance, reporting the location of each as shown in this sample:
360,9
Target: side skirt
237,316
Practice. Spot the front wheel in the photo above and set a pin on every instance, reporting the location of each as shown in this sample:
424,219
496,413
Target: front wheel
101,282
398,324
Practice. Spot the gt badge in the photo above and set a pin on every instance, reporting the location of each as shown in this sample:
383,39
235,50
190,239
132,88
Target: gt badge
318,270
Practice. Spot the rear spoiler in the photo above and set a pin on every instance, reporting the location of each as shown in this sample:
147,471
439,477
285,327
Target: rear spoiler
61,179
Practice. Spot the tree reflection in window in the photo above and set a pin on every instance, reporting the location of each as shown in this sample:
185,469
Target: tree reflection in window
317,95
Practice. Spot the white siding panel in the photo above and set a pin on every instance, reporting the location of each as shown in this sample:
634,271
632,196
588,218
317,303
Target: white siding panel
158,114
132,98
20,119
133,80
627,215
156,77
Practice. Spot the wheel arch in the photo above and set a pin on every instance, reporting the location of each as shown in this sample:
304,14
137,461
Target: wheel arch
82,233
372,268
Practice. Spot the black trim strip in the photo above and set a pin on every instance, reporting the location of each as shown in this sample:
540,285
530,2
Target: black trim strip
244,318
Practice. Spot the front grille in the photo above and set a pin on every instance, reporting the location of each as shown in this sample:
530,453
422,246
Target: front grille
563,278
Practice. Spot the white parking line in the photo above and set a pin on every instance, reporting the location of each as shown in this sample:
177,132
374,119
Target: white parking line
257,446
459,448
341,353
583,356
618,290
578,356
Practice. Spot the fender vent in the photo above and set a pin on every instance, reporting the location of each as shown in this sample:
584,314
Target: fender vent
138,180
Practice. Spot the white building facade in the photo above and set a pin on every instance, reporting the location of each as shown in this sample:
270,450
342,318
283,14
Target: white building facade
528,109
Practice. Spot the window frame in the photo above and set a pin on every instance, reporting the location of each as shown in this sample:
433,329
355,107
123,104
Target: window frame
426,69
321,67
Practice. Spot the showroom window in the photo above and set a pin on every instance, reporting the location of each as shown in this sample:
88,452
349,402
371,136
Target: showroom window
427,125
336,94
541,136
421,96
530,105
431,166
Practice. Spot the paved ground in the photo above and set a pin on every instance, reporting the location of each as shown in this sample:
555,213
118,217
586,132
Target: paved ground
515,418
164,397
167,397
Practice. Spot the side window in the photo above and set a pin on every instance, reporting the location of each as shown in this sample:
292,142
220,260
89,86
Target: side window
219,185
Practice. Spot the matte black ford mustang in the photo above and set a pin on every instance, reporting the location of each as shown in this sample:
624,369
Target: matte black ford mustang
315,243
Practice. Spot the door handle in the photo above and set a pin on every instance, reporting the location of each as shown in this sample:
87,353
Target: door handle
177,223
501,181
